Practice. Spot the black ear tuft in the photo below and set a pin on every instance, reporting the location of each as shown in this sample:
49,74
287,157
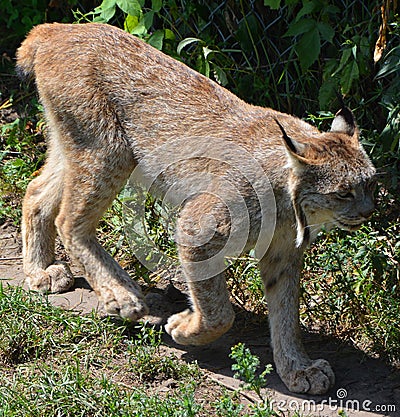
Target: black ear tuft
292,145
340,98
344,122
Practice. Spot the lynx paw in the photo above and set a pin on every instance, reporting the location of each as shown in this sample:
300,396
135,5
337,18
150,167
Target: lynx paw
186,328
127,303
55,278
317,378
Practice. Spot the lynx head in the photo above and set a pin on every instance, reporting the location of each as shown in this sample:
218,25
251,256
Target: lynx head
332,180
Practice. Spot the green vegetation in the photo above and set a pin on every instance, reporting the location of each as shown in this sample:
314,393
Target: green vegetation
22,151
58,363
290,55
18,17
246,367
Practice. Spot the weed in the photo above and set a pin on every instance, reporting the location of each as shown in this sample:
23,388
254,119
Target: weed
31,328
227,406
245,283
355,291
71,391
246,367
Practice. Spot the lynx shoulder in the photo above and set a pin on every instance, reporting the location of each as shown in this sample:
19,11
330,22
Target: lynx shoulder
243,175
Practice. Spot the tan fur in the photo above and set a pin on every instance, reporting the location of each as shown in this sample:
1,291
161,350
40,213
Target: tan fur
111,103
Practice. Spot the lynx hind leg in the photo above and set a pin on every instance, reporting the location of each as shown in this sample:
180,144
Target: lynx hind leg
212,313
40,207
87,194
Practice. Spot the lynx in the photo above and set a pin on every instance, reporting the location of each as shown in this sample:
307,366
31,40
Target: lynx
111,102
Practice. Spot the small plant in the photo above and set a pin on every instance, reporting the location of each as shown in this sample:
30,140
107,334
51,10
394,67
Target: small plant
246,368
228,407
58,363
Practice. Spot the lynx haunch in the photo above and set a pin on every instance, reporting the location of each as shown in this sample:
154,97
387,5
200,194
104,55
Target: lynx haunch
110,101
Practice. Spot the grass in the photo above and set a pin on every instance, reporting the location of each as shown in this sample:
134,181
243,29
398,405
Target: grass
58,363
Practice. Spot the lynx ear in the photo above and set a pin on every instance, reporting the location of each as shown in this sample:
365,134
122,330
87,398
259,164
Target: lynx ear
297,160
296,151
344,122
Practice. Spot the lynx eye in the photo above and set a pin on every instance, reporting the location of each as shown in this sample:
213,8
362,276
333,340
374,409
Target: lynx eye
345,195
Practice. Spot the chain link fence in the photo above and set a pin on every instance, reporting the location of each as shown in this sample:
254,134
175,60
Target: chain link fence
261,63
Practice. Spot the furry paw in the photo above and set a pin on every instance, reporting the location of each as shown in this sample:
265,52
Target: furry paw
316,379
124,301
54,279
187,328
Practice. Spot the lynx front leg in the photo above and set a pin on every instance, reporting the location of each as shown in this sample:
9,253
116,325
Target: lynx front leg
280,272
201,235
210,317
90,186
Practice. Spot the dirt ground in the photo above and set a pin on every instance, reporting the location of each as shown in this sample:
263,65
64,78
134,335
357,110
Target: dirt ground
365,387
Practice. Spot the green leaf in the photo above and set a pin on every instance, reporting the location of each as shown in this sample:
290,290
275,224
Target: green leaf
207,69
302,26
308,8
326,31
247,32
130,23
169,35
131,7
106,4
207,51
308,48
327,92
343,61
156,5
157,39
185,42
273,4
350,74
148,19
220,75
135,26
106,11
331,9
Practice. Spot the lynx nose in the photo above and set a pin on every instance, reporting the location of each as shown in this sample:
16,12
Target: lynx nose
367,212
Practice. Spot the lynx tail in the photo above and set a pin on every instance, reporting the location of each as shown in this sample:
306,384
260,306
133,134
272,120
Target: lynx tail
26,53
